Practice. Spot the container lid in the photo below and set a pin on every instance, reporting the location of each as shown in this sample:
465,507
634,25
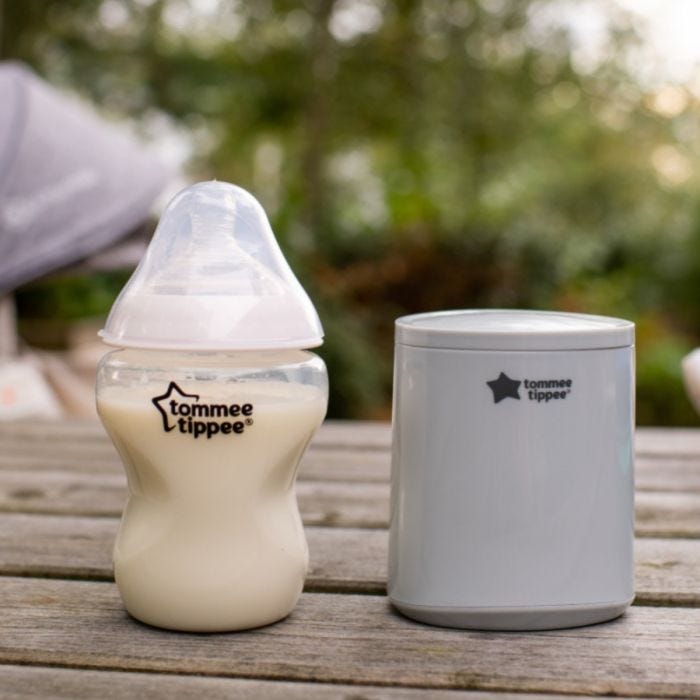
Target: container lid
507,329
213,278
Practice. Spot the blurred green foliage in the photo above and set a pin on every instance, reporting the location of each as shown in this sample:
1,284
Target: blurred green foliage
70,297
413,156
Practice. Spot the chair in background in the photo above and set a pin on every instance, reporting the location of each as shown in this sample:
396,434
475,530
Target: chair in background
73,187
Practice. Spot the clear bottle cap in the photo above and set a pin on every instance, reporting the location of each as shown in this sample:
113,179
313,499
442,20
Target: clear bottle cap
213,278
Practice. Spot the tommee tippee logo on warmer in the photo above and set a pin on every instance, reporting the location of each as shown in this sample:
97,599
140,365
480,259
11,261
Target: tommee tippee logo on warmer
538,390
183,412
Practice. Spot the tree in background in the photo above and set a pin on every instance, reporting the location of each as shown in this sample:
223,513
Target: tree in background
416,155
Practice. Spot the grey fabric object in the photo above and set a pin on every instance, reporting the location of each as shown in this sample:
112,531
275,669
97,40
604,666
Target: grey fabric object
70,183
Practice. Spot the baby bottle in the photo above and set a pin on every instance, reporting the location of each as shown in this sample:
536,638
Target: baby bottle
211,400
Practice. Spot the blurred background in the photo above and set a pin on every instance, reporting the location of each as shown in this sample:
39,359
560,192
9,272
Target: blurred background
412,156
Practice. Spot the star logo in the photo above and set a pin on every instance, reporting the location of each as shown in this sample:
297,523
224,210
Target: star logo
173,389
504,387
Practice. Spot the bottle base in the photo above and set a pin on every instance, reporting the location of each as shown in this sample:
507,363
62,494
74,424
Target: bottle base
513,619
207,626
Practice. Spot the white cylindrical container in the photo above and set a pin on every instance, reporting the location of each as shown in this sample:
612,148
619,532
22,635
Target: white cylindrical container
513,469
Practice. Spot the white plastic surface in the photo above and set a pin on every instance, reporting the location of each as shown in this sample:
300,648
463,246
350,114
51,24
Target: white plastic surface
691,377
213,278
544,617
510,329
512,500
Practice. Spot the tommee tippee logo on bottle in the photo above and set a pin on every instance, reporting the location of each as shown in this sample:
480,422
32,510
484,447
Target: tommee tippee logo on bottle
185,414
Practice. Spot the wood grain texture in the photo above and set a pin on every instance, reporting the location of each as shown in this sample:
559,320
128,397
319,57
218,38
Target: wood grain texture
330,503
672,514
319,463
23,452
64,430
649,441
355,639
343,640
62,492
334,434
667,442
651,473
343,433
342,559
667,474
348,504
40,682
668,573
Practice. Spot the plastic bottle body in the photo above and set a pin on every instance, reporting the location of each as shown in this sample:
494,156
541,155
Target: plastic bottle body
211,538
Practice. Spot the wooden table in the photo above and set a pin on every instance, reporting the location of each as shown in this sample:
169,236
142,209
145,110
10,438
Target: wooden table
64,633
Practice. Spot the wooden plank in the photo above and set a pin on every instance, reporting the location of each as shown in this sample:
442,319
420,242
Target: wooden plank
33,545
355,434
667,474
42,459
77,448
668,572
53,431
330,503
358,640
345,465
335,434
668,442
40,682
340,504
342,559
12,446
62,492
667,514
318,463
649,441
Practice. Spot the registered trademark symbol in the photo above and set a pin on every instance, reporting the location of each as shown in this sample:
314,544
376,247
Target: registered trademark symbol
249,421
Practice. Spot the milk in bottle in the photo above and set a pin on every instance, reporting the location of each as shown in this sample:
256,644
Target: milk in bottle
211,403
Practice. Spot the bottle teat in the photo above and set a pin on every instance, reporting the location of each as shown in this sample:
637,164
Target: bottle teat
213,278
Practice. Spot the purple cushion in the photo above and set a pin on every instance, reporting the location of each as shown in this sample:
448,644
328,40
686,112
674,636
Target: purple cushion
71,184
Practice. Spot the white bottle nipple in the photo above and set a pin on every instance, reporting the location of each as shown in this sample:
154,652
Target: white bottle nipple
213,278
